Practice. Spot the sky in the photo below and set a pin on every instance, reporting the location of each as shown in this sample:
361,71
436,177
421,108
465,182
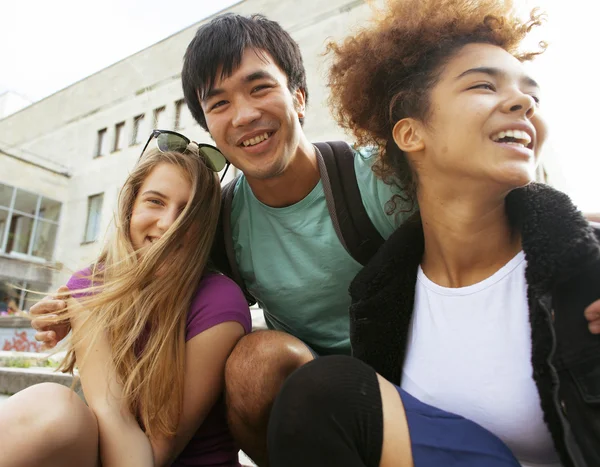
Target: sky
48,45
568,75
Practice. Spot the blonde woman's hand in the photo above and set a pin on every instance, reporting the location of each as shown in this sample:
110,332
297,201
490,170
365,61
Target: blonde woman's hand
49,332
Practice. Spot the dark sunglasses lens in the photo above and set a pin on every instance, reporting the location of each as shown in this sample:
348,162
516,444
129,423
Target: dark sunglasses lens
214,157
170,142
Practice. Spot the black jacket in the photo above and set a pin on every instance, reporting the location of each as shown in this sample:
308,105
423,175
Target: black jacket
563,277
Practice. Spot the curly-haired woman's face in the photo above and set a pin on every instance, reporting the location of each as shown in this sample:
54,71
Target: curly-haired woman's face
484,126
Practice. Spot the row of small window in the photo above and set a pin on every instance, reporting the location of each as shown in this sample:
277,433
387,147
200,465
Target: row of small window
139,130
28,224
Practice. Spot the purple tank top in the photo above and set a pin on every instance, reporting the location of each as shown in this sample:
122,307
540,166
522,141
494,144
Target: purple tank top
217,300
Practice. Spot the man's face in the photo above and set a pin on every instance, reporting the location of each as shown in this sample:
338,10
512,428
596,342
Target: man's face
254,118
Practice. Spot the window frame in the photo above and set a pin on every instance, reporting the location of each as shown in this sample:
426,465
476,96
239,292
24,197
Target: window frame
158,112
138,120
101,136
90,199
118,137
179,108
12,215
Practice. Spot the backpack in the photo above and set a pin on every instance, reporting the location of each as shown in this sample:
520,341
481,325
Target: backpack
351,222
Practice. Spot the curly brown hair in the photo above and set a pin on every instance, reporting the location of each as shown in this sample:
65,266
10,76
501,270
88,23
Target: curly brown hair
384,73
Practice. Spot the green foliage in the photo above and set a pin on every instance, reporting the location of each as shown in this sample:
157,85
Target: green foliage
24,362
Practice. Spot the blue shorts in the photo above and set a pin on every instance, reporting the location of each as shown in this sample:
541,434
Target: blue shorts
440,438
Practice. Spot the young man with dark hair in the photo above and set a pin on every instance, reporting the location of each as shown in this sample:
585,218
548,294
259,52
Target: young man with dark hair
245,83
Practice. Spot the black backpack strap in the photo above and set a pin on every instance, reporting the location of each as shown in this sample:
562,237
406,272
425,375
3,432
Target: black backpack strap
225,240
351,222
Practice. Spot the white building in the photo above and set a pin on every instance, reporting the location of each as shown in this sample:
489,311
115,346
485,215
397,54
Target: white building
63,159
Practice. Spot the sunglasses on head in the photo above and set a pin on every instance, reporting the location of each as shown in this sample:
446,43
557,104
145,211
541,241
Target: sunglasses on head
167,140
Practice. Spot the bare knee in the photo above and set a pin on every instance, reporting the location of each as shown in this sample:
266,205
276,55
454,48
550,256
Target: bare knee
50,416
266,353
258,366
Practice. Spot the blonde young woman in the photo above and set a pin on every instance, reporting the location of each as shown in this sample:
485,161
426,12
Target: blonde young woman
152,329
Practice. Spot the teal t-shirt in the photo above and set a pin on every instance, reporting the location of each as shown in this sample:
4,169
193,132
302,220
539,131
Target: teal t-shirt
294,264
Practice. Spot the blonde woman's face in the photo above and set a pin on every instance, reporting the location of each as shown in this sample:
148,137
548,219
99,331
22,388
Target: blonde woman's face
160,201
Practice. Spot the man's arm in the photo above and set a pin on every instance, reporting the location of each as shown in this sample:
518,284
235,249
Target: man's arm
121,440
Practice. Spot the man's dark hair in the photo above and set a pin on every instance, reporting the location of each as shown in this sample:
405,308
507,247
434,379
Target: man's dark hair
222,42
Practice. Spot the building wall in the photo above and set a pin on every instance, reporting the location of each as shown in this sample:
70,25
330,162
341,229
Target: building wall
63,127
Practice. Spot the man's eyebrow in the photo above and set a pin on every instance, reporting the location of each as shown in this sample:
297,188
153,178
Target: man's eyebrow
497,72
212,92
156,193
254,76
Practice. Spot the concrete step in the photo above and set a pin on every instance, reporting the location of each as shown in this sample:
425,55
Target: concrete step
13,380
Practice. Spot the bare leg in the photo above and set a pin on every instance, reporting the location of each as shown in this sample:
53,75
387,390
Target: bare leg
255,371
47,424
396,450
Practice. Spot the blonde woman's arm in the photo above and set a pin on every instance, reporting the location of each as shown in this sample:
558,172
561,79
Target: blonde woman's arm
205,357
121,440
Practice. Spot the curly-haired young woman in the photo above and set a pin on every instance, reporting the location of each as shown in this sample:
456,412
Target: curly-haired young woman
474,312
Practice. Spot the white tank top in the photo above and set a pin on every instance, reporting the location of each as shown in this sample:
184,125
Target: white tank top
469,353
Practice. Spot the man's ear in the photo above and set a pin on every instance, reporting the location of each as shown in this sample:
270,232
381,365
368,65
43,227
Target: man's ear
407,135
300,102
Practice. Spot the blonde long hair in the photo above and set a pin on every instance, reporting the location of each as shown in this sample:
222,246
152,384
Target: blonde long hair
142,301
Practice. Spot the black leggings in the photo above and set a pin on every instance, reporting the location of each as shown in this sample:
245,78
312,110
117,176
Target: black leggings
311,421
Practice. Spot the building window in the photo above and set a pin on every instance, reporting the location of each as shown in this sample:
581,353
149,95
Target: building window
3,225
92,225
119,132
101,143
179,107
138,129
20,234
17,296
9,298
159,118
28,223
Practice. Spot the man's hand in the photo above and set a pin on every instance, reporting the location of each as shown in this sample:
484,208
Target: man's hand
592,313
49,333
